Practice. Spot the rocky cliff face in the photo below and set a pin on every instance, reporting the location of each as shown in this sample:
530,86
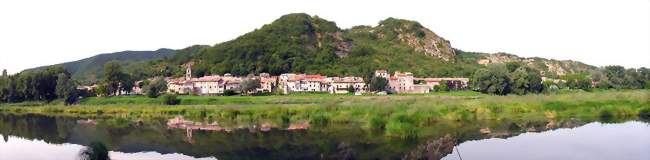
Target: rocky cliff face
546,66
417,37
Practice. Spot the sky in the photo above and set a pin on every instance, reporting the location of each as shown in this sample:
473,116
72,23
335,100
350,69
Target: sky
598,32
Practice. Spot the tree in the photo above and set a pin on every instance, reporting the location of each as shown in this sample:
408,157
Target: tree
584,83
377,84
102,90
615,75
443,86
534,81
229,92
66,89
94,151
604,84
127,83
113,75
62,85
155,88
250,85
632,79
4,72
351,89
546,86
519,81
171,99
493,79
71,95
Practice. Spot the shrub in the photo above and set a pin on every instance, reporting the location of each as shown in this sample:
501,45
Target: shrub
376,123
229,92
645,114
156,87
606,114
171,99
319,120
401,125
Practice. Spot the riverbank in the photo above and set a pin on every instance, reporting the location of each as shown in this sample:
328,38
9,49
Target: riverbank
397,115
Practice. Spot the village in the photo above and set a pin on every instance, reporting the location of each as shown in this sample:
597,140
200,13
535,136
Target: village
288,83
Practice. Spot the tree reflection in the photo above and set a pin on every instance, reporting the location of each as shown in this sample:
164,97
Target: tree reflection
94,151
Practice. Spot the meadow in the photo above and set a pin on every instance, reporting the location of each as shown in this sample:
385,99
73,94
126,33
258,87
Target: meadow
395,115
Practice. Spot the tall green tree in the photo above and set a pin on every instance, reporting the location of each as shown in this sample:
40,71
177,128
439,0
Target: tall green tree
378,84
493,79
155,88
615,75
66,89
61,84
112,76
520,81
116,79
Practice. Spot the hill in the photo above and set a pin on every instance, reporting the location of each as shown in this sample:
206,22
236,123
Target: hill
309,44
90,69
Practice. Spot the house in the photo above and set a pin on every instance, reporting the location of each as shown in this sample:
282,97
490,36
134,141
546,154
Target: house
291,82
452,83
268,83
313,83
382,73
405,82
341,85
209,85
180,86
401,82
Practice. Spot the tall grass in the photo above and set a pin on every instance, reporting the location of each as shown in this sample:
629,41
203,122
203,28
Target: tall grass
396,115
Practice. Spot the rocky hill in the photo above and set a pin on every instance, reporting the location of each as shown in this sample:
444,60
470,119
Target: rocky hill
309,44
547,67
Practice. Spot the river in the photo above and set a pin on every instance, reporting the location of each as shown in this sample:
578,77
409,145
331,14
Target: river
35,137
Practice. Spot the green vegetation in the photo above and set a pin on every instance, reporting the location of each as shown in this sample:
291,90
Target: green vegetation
309,44
94,151
395,115
503,79
155,88
66,89
250,84
377,84
115,80
171,99
32,86
90,70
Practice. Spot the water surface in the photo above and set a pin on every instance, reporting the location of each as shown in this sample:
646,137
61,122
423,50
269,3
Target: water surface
43,137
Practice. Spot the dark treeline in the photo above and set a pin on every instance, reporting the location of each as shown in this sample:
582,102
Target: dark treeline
56,83
503,79
47,85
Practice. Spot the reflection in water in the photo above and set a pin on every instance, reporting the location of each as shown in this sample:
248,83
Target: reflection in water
94,151
23,149
630,141
128,139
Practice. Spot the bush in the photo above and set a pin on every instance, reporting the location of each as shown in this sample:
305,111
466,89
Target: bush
229,92
155,88
606,114
645,114
319,120
171,99
376,123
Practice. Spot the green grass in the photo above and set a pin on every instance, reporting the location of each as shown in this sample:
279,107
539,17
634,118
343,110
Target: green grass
402,116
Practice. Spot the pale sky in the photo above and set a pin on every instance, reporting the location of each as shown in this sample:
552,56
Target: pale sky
598,32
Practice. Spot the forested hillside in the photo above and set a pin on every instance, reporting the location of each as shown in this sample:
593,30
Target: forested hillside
90,69
310,44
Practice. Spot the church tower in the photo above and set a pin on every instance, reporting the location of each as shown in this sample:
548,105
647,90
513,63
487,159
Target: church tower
188,72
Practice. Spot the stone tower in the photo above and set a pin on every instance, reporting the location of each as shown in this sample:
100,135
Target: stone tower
188,72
